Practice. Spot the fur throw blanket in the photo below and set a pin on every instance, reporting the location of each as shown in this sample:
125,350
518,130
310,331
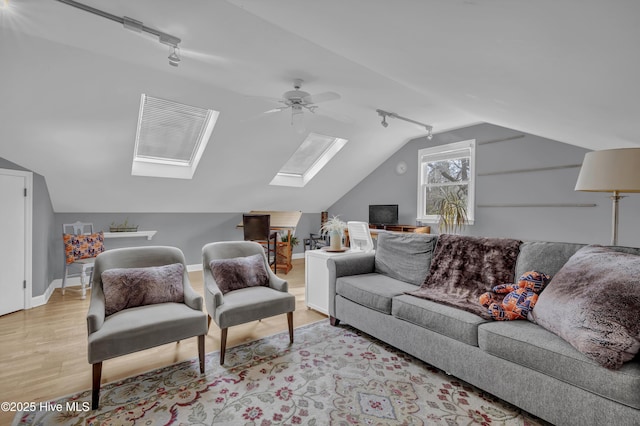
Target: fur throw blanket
463,268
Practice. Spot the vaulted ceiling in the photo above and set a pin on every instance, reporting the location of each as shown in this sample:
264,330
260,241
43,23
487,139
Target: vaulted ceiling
70,86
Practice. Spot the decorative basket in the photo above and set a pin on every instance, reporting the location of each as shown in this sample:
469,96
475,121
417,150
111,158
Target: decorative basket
123,229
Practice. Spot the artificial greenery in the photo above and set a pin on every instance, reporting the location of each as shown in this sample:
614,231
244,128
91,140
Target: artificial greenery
122,227
333,224
294,240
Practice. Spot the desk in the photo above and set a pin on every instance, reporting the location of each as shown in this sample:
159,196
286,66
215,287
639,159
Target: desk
281,221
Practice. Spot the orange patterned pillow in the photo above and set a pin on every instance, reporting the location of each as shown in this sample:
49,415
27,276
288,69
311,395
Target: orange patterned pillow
82,246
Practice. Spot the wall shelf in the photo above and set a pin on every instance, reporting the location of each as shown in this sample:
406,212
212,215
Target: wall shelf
147,234
537,169
537,205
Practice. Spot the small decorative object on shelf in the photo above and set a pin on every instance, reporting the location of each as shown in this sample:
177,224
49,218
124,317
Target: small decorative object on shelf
123,227
334,227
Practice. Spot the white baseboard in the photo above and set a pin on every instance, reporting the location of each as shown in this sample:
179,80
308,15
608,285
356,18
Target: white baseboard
194,268
57,283
297,256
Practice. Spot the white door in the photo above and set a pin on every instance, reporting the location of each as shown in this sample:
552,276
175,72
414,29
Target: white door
12,242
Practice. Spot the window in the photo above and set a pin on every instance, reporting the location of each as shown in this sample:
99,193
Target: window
170,138
446,170
311,156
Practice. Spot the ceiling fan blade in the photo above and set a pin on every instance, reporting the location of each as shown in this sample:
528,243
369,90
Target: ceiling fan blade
267,98
271,111
321,97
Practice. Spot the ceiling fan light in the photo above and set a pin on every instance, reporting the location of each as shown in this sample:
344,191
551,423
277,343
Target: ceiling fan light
297,118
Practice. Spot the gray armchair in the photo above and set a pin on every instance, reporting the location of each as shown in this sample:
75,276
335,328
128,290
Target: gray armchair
135,329
246,304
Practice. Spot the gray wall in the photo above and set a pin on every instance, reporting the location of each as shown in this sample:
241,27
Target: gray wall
43,237
584,225
187,231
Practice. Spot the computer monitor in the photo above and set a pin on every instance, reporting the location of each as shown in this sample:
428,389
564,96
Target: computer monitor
383,214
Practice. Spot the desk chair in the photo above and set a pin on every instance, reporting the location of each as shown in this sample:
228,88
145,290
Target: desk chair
257,227
81,246
359,236
315,241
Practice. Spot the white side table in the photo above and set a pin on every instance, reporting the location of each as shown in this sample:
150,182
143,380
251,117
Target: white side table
317,279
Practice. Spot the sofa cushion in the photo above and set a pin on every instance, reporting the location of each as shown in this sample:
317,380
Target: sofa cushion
544,256
532,346
374,291
593,303
405,257
251,304
451,322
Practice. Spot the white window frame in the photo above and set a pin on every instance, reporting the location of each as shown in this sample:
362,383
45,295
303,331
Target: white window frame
441,151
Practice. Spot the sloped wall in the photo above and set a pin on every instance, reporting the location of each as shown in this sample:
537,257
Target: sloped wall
524,151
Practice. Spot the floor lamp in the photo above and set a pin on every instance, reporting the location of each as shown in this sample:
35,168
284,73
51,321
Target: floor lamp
611,170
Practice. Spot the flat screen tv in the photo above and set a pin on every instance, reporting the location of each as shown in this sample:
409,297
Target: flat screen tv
383,214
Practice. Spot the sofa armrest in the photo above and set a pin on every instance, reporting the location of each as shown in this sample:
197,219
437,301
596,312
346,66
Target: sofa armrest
277,283
191,298
96,313
341,266
213,295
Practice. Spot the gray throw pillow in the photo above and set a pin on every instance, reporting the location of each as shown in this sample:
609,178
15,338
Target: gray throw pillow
593,303
239,272
130,287
405,257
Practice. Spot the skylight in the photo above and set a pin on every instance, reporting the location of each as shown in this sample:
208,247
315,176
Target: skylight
170,138
311,156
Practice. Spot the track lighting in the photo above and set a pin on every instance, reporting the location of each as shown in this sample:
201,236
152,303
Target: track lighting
385,114
174,59
130,24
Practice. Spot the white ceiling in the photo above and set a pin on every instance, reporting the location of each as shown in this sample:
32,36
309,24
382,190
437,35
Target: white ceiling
71,85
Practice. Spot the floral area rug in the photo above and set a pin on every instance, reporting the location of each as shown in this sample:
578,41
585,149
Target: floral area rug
330,375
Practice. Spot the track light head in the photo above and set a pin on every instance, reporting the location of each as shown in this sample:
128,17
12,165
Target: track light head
174,59
384,122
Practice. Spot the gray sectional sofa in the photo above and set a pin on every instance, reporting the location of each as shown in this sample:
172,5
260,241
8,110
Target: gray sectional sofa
552,380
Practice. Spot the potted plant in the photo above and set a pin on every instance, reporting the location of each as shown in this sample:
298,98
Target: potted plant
334,228
452,209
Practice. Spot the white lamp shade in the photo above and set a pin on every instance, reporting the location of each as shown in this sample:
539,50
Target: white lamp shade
610,170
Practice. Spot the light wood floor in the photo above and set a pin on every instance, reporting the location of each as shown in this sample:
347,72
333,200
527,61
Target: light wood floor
43,351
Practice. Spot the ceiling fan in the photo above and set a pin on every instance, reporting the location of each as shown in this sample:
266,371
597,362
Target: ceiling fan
299,100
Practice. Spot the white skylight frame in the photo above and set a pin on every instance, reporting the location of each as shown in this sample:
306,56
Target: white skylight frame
284,178
164,166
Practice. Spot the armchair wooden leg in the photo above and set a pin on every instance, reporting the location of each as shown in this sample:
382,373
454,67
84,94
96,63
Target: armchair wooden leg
223,344
334,321
208,322
290,321
95,394
201,352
